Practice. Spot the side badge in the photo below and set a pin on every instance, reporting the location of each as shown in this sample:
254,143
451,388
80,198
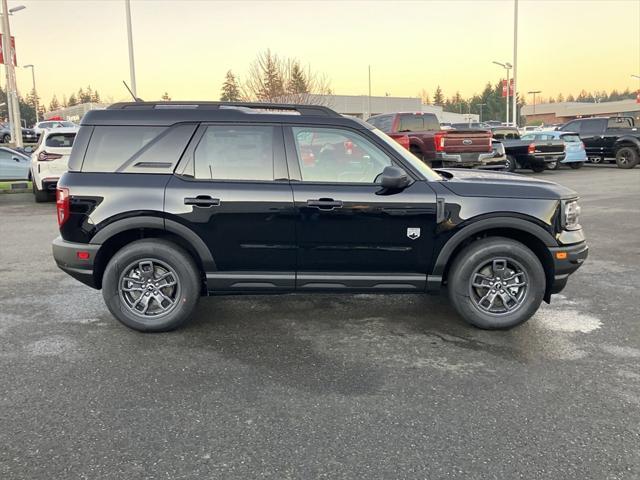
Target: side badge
413,233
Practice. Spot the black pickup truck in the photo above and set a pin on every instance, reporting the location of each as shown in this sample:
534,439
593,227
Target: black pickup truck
608,137
537,155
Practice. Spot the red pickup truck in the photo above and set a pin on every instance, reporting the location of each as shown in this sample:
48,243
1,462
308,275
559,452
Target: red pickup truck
441,148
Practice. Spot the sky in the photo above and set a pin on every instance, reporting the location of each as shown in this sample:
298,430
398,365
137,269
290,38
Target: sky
185,47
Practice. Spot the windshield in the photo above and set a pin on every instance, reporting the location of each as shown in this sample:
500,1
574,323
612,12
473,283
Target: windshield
408,156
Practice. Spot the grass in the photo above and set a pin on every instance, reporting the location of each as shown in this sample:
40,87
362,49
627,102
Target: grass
5,187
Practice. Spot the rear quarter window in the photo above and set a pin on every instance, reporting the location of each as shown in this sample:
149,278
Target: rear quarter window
60,140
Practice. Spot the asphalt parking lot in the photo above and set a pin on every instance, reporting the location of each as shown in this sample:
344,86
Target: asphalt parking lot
353,386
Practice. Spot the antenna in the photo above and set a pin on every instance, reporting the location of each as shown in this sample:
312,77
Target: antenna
135,99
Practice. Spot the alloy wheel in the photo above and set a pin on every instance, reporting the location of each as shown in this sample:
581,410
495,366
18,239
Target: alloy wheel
499,286
149,288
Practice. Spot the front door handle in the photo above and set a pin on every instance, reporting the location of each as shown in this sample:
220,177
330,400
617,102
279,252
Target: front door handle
325,203
202,201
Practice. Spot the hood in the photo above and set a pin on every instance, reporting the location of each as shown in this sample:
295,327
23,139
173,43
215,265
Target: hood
479,183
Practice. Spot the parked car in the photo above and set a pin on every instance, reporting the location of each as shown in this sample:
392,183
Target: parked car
608,137
161,205
14,165
49,160
575,154
50,124
437,147
536,155
28,134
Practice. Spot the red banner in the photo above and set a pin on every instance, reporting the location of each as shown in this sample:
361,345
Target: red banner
504,88
13,51
638,97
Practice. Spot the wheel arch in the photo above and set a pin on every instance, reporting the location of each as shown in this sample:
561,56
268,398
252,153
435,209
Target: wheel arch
118,234
526,232
627,141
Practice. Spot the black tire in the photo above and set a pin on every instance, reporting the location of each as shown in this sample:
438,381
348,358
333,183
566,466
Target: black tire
6,138
538,168
168,257
553,166
627,157
40,196
496,249
576,165
511,164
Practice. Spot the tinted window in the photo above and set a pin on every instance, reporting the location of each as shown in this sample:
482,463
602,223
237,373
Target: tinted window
60,140
620,122
529,136
382,122
337,156
235,153
418,123
111,147
590,127
506,134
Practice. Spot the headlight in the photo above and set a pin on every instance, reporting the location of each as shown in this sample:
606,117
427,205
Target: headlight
571,215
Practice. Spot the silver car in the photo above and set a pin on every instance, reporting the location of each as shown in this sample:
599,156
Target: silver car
14,165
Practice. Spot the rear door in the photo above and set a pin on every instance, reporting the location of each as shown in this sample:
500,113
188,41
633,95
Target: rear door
232,190
350,232
13,166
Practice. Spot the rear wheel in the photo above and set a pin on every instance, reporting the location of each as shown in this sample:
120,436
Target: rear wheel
510,164
576,165
6,138
39,195
496,283
151,285
538,168
627,157
553,165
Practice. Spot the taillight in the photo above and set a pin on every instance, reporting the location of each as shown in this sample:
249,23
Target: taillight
438,140
47,157
582,145
62,205
403,140
532,148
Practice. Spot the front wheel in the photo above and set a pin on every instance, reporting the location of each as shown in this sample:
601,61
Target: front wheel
576,165
151,285
496,283
40,196
6,138
627,157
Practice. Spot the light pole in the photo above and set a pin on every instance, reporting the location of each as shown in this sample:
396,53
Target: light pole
35,92
369,98
480,105
534,92
515,63
12,89
132,65
507,66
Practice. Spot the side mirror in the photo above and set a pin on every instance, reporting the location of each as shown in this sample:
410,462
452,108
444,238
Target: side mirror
394,178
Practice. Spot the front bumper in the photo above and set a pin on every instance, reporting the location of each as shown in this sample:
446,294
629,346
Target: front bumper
474,160
66,256
571,258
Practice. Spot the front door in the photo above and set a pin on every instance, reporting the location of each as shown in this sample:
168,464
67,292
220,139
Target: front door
351,233
234,194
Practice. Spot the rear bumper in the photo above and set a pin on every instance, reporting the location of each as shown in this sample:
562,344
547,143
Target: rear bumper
576,254
540,159
479,160
66,256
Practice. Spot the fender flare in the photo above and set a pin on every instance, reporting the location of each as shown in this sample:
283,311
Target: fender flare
159,223
488,224
626,139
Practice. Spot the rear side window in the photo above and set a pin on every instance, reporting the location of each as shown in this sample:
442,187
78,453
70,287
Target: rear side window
571,138
60,140
383,122
243,152
620,122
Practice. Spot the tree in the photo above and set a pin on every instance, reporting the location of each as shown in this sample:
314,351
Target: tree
570,98
95,97
72,100
438,97
424,97
560,98
265,81
230,88
65,102
297,83
165,97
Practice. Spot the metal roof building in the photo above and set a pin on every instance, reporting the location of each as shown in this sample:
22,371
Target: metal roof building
563,112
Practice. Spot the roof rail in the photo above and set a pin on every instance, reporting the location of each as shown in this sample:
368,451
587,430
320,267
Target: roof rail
317,110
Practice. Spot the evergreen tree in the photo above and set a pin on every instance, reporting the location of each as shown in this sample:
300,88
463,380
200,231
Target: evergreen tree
297,80
438,97
570,98
560,98
272,83
230,88
72,100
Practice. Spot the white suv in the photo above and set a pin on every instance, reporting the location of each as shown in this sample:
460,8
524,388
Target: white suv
40,127
50,160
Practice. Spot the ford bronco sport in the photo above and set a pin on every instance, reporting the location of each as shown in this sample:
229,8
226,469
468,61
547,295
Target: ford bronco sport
165,202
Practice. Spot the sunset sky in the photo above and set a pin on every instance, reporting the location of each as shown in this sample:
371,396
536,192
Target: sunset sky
185,47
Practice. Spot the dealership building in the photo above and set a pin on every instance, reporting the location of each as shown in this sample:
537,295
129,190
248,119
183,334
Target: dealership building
550,113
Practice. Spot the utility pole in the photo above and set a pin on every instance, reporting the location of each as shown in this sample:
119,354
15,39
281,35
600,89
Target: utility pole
369,106
35,92
132,65
13,106
480,105
515,64
534,92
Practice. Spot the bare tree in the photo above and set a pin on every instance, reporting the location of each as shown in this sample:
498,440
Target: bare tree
272,78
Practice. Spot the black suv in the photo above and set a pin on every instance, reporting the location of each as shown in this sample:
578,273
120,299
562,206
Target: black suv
165,202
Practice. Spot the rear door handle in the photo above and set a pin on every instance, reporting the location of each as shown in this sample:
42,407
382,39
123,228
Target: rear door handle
325,203
202,201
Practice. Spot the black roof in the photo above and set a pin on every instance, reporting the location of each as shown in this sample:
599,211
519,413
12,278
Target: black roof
169,113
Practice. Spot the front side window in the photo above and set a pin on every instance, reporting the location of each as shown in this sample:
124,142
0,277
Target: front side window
591,127
242,152
337,156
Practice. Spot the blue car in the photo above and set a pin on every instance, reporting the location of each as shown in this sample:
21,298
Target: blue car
575,154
